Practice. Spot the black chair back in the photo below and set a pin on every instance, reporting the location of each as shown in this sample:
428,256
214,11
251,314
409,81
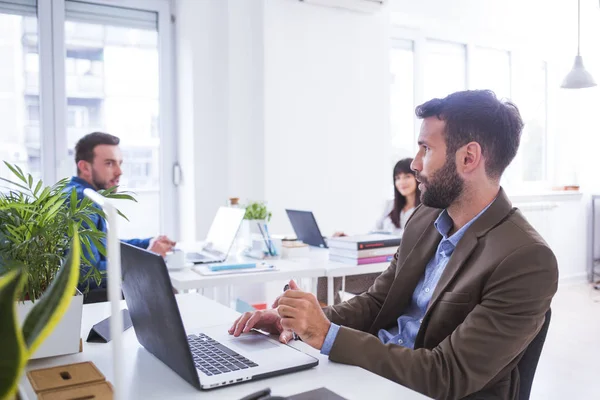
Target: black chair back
528,364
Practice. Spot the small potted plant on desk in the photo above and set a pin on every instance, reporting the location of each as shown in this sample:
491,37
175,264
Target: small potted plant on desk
255,228
38,227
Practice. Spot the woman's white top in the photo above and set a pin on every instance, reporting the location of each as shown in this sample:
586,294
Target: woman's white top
385,224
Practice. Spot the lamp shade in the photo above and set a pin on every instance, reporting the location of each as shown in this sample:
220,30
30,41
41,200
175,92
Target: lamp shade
578,78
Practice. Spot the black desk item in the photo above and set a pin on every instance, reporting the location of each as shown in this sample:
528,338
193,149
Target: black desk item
317,394
100,333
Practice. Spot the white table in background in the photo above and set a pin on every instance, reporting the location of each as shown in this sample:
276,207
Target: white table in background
188,279
148,378
335,269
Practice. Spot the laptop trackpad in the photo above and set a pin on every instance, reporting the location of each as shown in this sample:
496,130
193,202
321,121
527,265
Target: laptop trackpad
253,342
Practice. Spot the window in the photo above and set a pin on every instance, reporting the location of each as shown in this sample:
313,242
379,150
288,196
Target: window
530,95
117,72
102,72
491,70
19,79
445,68
402,117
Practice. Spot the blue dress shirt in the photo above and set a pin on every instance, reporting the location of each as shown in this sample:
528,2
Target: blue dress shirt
409,323
97,259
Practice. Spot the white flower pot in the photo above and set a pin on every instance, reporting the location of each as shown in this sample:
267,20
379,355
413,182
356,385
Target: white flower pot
249,231
65,337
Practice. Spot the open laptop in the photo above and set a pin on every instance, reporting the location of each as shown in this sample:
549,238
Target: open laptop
207,359
220,238
306,228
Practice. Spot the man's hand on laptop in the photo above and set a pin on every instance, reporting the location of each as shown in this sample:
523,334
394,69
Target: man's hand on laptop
301,313
293,311
265,320
161,245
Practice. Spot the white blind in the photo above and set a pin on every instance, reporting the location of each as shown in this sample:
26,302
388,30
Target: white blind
110,15
21,7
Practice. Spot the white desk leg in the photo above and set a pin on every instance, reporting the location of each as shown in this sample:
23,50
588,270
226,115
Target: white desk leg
314,284
330,298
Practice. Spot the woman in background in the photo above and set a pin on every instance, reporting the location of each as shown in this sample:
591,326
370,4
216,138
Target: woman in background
407,197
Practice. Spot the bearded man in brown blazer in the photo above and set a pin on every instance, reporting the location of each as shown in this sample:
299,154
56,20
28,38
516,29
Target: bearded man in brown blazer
467,290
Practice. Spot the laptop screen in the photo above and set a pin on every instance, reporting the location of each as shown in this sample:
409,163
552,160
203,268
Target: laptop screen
306,228
224,228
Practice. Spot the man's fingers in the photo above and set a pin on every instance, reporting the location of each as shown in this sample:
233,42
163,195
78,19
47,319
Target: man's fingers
298,304
241,323
254,319
287,312
232,329
295,294
276,302
293,285
286,336
289,324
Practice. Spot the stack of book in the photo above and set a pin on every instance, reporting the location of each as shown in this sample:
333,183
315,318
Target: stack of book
363,249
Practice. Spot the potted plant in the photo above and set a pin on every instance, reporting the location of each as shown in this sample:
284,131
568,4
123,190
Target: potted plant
17,344
37,225
256,218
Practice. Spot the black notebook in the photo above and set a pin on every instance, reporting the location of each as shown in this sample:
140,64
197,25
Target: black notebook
100,333
317,394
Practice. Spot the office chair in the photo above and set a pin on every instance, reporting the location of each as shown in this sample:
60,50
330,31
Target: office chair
528,364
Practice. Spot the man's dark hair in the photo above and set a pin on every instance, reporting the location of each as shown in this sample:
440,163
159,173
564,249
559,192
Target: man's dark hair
478,116
84,149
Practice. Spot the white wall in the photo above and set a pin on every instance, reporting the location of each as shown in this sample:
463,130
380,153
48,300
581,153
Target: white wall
219,57
326,114
283,101
289,102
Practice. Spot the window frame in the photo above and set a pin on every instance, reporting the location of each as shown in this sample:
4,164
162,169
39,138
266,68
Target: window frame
419,37
56,162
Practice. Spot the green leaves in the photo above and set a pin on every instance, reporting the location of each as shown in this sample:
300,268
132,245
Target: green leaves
12,347
46,313
17,346
257,210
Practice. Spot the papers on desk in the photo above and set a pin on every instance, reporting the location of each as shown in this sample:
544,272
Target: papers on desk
229,268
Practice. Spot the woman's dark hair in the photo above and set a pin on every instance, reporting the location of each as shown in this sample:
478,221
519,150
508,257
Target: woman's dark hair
402,167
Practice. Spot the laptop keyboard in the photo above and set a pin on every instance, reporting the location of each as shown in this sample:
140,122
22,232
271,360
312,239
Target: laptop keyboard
213,358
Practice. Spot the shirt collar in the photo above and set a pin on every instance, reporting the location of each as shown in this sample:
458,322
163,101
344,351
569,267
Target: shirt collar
82,182
444,224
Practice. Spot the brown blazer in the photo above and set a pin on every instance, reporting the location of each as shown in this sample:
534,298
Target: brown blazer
487,307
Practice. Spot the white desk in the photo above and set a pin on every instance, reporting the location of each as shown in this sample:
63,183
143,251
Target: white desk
315,265
148,378
336,269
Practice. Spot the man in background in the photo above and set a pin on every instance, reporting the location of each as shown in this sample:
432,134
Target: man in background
99,160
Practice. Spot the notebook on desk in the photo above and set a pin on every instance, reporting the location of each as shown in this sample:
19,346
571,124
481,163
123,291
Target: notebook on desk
235,268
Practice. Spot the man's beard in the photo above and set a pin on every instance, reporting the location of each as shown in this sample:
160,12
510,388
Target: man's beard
98,183
443,187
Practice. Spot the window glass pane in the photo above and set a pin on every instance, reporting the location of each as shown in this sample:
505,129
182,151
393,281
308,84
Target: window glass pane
402,99
491,70
445,69
19,94
530,95
112,86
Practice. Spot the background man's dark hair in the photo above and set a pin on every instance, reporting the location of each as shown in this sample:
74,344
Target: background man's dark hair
478,116
84,149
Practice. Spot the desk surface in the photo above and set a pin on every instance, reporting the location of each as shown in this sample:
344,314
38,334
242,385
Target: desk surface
316,265
286,269
148,378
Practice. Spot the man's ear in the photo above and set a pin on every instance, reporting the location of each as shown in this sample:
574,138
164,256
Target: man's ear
84,167
471,156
